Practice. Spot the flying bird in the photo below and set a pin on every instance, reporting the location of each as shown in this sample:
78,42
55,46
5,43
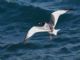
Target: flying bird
47,27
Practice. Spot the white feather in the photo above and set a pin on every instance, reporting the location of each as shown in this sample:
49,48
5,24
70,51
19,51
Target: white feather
56,14
46,28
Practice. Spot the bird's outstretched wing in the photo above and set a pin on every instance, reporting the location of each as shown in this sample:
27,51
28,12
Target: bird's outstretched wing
32,31
37,29
55,16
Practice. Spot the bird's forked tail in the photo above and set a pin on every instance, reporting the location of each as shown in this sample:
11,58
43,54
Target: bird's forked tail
55,31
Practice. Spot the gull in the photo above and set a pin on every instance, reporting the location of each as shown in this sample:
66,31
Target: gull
47,27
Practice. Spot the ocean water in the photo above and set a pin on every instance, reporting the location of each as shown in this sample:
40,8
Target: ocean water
18,16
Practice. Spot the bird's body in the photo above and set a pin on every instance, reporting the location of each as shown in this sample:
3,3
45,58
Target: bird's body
48,27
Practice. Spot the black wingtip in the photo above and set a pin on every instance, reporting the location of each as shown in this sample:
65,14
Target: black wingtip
25,41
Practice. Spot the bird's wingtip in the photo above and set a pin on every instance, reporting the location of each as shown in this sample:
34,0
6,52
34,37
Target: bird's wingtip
25,41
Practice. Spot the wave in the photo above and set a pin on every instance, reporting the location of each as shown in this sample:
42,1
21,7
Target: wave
49,4
18,16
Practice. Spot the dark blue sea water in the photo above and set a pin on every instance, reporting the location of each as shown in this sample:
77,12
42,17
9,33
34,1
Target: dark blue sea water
18,16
